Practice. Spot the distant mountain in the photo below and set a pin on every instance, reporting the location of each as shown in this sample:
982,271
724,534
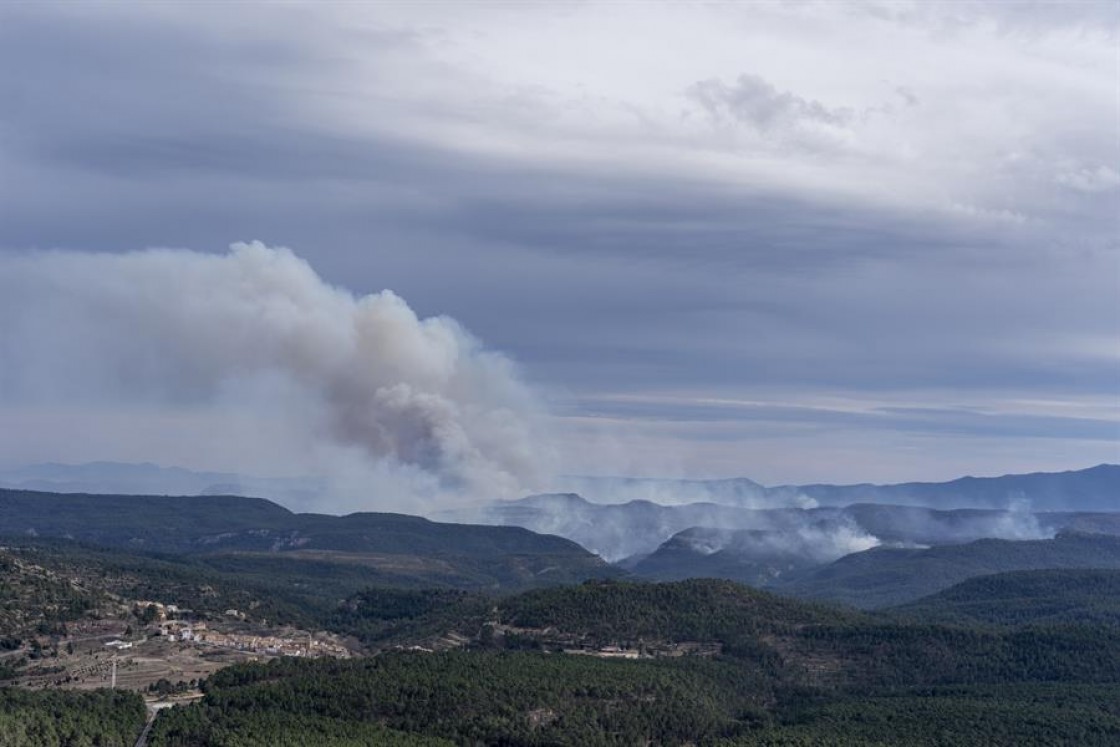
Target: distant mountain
624,532
407,545
1093,489
736,491
1068,595
151,479
793,542
886,576
760,532
613,531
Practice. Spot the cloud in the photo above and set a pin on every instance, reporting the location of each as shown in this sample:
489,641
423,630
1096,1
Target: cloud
894,198
758,104
1088,179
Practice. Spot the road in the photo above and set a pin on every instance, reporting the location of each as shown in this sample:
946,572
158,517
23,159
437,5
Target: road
153,711
142,740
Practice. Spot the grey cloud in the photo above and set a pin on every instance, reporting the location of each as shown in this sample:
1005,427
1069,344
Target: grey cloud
927,420
753,101
1090,179
143,133
1026,18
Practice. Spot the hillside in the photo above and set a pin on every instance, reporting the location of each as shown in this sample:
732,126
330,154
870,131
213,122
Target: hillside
884,576
157,523
625,517
793,641
37,599
613,531
104,718
253,531
1046,597
213,523
701,610
56,581
784,544
697,662
600,663
533,700
752,557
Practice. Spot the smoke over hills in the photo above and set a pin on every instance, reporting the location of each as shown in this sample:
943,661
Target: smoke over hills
621,518
396,406
402,413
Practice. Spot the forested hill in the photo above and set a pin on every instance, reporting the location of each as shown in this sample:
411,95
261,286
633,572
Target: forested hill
592,614
256,537
701,609
689,663
700,662
883,576
1053,596
101,718
157,523
223,523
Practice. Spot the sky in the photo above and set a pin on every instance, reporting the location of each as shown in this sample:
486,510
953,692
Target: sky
798,242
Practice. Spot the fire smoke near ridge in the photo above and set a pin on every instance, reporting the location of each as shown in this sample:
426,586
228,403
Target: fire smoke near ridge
418,399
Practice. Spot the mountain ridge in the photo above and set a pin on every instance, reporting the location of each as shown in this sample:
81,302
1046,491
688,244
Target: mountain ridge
618,531
892,576
235,525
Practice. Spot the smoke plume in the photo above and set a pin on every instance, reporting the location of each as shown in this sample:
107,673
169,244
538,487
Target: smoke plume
393,405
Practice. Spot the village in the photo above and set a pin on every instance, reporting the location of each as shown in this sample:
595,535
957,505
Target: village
296,643
162,647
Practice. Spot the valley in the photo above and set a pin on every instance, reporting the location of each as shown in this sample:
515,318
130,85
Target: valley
500,635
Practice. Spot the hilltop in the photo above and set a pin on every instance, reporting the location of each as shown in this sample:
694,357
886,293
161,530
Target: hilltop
246,532
888,576
1043,597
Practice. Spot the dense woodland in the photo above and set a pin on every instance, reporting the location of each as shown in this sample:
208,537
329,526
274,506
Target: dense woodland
1039,715
776,671
1067,596
34,600
786,674
55,718
458,652
540,699
889,576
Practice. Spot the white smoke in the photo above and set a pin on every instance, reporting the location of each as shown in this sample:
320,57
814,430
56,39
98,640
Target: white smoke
393,406
794,536
1019,522
832,542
